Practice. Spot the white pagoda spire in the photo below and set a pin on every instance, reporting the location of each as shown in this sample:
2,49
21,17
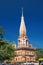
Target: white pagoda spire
22,26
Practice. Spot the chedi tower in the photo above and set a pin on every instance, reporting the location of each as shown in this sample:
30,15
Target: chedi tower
24,51
22,40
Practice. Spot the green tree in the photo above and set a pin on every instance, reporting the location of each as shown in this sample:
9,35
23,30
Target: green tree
6,52
6,48
39,53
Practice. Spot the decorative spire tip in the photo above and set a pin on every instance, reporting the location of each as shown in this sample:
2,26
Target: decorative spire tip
22,11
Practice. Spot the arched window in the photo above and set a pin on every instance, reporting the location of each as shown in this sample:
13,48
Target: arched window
16,59
26,42
19,41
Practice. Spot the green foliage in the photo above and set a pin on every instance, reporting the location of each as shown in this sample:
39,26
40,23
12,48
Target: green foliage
6,50
39,53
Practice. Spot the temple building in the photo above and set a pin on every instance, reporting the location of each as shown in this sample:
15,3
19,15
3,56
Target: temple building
24,51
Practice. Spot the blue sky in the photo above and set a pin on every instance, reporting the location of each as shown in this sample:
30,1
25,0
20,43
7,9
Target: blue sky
10,19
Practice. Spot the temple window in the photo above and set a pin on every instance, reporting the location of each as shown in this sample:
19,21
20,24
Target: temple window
26,42
19,41
28,58
16,59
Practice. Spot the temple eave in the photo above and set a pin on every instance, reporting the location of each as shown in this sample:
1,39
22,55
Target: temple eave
23,48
